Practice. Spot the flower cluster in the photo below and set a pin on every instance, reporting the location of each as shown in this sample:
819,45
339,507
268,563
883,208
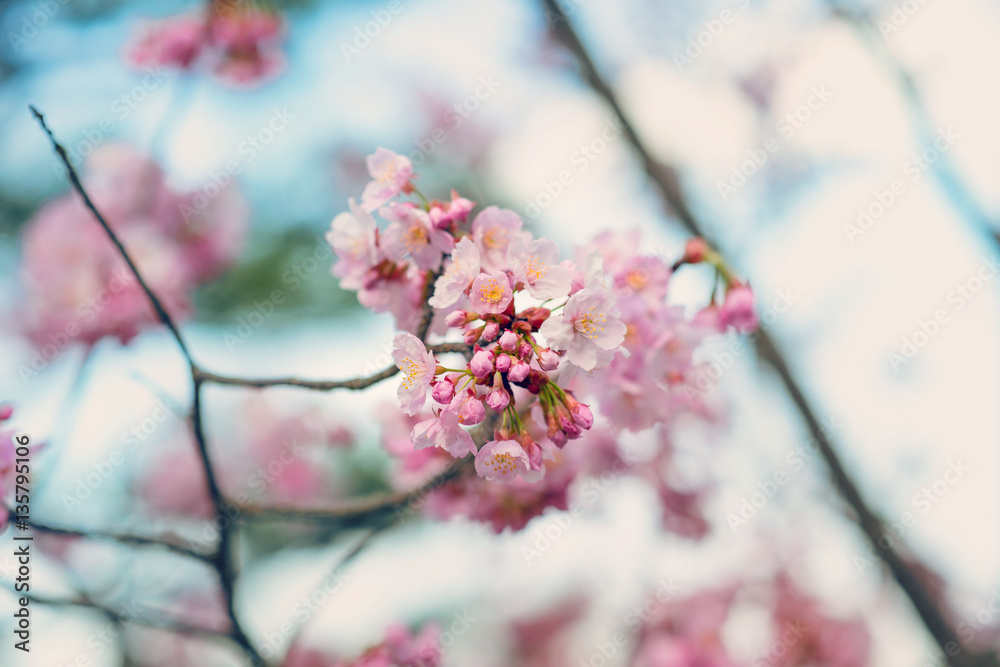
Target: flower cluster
78,288
541,329
239,41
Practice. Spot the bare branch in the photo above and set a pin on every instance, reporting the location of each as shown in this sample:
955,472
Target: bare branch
666,181
165,542
158,623
360,511
355,384
158,307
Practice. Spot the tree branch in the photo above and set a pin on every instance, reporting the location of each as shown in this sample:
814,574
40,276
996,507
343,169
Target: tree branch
170,544
164,623
323,385
666,181
74,179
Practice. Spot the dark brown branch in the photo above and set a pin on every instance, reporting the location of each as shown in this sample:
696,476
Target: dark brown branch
164,623
666,181
158,307
164,542
355,384
362,511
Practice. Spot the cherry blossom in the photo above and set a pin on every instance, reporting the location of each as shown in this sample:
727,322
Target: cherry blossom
390,175
588,328
418,367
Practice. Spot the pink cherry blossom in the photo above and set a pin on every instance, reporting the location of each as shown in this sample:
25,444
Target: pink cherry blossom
493,229
536,264
390,173
490,293
588,328
738,310
247,44
418,367
352,237
457,278
444,214
446,432
176,41
502,460
77,286
410,234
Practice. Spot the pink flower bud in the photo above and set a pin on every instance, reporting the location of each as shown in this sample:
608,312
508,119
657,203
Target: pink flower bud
491,330
498,398
572,430
444,391
472,335
508,341
518,371
583,416
481,364
6,411
471,410
457,318
548,360
503,363
525,352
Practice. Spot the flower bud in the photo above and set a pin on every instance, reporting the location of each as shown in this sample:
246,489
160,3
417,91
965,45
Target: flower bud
471,410
6,411
481,364
503,363
508,341
548,360
518,371
444,391
498,398
457,318
472,335
491,330
583,416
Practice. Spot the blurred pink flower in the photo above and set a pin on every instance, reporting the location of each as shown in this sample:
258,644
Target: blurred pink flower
78,288
390,175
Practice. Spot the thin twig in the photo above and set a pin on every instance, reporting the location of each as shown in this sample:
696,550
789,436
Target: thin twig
164,623
355,384
164,542
361,511
666,181
161,311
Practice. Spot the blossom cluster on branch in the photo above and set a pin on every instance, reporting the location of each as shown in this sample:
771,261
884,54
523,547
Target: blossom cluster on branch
544,331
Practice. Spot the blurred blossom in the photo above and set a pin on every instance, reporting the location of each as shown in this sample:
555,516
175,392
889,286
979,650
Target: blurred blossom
240,42
400,648
77,286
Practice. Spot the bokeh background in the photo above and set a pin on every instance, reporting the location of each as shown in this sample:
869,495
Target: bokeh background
870,100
